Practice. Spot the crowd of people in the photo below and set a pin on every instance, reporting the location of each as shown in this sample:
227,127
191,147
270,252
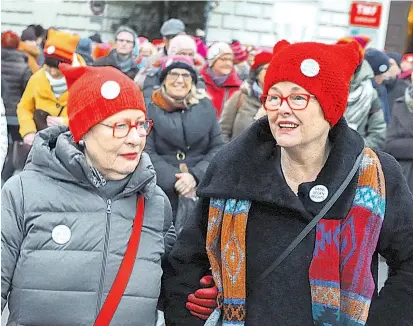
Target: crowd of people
104,143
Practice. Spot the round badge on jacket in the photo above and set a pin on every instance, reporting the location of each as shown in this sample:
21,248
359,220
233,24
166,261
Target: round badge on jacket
61,234
318,193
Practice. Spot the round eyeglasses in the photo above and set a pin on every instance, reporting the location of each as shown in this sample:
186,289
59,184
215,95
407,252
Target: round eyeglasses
122,129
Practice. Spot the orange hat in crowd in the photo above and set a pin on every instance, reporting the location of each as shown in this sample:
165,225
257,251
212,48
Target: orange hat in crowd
362,42
61,45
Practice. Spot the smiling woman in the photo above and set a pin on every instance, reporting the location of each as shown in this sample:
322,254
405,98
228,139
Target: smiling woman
91,211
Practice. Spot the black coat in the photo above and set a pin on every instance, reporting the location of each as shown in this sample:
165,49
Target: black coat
399,142
16,73
110,60
395,89
249,168
194,132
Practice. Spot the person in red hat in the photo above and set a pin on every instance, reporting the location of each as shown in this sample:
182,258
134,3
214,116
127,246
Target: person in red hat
240,60
239,111
406,67
88,208
293,213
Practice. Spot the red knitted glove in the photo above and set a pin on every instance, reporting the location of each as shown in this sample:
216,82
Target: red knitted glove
204,301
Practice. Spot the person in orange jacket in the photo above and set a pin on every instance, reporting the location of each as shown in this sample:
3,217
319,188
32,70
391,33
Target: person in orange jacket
44,100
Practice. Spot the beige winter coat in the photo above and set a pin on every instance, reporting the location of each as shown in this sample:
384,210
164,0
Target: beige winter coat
239,112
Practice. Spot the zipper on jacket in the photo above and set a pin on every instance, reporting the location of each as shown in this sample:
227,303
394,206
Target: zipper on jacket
105,254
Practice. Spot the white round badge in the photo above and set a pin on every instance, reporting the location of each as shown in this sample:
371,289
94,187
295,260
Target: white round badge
110,90
61,234
310,68
50,49
383,68
318,193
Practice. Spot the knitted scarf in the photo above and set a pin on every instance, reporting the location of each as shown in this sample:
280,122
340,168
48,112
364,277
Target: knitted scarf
59,86
340,276
124,64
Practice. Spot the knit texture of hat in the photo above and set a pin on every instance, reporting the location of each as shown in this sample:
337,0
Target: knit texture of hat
177,61
96,93
9,40
217,50
362,42
378,61
260,59
323,70
172,26
60,45
181,42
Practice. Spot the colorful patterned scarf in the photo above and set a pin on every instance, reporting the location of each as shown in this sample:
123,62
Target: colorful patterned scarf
340,275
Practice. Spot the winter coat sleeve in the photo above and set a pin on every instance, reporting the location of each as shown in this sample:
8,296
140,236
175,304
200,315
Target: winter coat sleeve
4,143
376,127
228,115
165,172
12,232
168,230
215,144
394,304
25,78
397,144
25,109
187,264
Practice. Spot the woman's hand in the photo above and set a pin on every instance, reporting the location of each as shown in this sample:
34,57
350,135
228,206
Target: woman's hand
185,184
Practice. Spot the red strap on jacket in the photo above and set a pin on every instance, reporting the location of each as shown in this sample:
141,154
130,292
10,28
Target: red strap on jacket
125,270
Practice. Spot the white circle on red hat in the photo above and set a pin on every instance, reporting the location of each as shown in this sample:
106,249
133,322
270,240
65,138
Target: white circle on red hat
50,49
383,68
310,67
110,90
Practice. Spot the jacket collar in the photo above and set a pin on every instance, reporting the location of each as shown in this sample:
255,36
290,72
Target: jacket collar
249,168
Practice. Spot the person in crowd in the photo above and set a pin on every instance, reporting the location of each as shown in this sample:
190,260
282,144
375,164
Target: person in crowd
364,113
239,111
121,57
179,45
40,33
221,79
28,45
240,60
96,40
169,29
395,86
85,192
300,164
399,142
380,64
44,101
251,55
84,48
4,143
15,72
185,131
101,50
406,66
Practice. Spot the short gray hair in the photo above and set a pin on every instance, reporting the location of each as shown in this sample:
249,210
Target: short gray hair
126,29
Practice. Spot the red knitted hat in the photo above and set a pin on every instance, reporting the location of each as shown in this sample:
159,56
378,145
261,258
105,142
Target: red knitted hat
96,93
260,59
240,52
323,70
10,40
408,57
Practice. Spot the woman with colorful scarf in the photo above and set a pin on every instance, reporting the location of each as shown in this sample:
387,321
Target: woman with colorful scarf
185,131
301,168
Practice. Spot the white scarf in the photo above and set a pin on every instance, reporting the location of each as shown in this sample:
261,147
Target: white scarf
59,86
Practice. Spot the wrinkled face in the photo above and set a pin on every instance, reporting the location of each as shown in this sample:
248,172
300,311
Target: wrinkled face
124,43
297,128
178,83
406,65
114,157
54,72
224,64
394,68
261,75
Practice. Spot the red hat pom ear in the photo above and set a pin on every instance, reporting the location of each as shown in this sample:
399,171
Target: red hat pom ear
354,47
72,73
280,46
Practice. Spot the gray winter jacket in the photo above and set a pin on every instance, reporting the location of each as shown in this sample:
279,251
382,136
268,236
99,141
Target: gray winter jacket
47,283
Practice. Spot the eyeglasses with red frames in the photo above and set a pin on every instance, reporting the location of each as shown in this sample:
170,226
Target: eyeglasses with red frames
122,129
296,101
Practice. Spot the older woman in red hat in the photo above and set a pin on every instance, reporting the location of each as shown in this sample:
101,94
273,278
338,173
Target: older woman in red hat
84,226
294,211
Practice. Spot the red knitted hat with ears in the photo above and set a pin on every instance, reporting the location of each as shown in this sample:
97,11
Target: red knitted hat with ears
96,93
324,70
